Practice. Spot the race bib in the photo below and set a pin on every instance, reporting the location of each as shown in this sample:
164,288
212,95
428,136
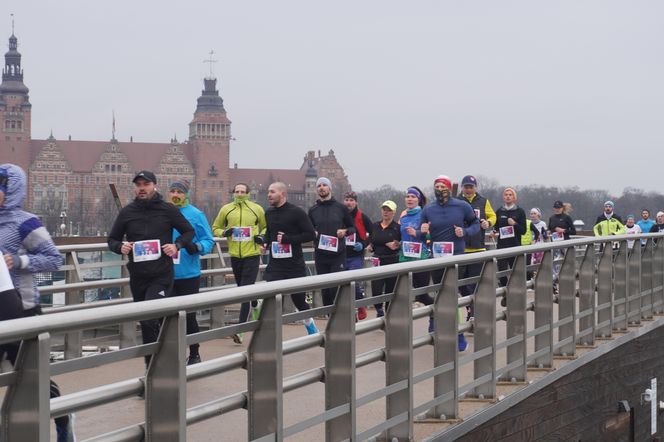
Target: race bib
5,278
280,250
329,243
555,236
375,262
507,232
241,234
176,258
350,240
442,249
148,250
411,249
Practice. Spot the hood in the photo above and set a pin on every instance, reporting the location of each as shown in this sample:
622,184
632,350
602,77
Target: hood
16,187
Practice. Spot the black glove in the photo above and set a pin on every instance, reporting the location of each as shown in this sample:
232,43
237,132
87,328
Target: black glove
228,232
259,239
191,248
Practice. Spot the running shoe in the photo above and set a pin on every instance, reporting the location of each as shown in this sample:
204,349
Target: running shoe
238,338
311,328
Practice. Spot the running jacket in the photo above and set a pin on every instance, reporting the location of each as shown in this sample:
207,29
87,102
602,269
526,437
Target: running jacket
412,218
443,218
297,229
242,213
152,219
190,264
564,221
25,239
327,217
519,216
475,243
611,226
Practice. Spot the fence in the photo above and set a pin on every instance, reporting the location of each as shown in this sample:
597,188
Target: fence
601,289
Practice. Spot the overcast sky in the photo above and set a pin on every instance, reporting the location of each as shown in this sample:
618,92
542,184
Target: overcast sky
527,92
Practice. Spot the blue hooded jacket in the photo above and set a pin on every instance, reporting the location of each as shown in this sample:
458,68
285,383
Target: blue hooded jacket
190,265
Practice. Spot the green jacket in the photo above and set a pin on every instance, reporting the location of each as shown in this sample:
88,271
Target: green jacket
241,214
605,227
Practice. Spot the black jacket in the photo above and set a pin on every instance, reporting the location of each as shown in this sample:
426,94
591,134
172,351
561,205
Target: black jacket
297,229
381,236
563,220
519,216
152,219
327,217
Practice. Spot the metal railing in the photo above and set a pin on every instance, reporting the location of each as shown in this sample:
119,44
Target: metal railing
600,289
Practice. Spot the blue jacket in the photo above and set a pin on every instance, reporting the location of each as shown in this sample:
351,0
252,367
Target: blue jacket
414,220
190,265
444,217
645,225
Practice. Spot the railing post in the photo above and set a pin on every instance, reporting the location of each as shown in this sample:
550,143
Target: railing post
399,359
340,365
516,319
634,294
567,303
445,346
657,275
485,331
604,292
166,383
265,374
127,329
586,313
544,311
621,295
26,408
73,339
647,297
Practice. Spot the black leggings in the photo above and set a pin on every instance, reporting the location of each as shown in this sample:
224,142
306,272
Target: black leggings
183,287
245,271
299,299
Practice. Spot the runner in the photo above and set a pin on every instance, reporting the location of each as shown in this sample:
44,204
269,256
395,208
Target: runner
385,242
540,226
242,222
645,223
631,227
26,248
447,221
561,226
148,221
608,223
356,243
332,222
188,262
288,227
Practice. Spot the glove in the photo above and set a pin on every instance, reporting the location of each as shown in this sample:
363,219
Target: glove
259,239
228,232
192,248
358,246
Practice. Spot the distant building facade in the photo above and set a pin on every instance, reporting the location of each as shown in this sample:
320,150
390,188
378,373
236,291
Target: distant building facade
72,177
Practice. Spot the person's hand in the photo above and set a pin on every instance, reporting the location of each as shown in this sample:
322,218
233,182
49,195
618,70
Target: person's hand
510,221
259,239
126,247
370,248
264,249
9,261
560,230
424,227
411,231
458,231
341,233
484,224
192,248
170,249
393,245
493,234
228,232
280,237
358,247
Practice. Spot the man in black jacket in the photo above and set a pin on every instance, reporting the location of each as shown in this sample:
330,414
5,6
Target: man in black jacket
288,227
332,223
148,223
510,227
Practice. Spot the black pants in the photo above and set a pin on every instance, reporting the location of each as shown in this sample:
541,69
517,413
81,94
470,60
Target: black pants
421,279
145,289
299,299
183,287
385,285
245,271
329,264
505,264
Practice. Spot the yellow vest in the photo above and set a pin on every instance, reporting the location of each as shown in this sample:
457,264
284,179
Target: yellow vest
527,238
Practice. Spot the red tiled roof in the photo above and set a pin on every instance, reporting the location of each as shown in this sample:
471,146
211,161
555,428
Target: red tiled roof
265,177
82,155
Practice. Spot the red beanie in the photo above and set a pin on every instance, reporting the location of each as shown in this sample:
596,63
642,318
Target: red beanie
443,179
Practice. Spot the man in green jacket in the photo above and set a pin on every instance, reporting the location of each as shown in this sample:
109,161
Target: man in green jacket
608,223
242,222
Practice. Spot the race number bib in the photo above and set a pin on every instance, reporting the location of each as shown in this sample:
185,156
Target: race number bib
329,243
555,236
350,240
507,232
442,249
148,250
411,249
5,279
241,234
280,250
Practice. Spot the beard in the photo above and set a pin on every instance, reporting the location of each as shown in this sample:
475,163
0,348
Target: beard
442,195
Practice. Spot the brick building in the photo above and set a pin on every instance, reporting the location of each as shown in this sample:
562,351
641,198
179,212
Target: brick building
72,177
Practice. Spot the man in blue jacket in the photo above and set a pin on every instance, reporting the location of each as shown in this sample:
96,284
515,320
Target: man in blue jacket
187,263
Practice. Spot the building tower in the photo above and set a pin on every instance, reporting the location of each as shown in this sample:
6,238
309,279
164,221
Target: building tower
310,178
209,136
14,110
